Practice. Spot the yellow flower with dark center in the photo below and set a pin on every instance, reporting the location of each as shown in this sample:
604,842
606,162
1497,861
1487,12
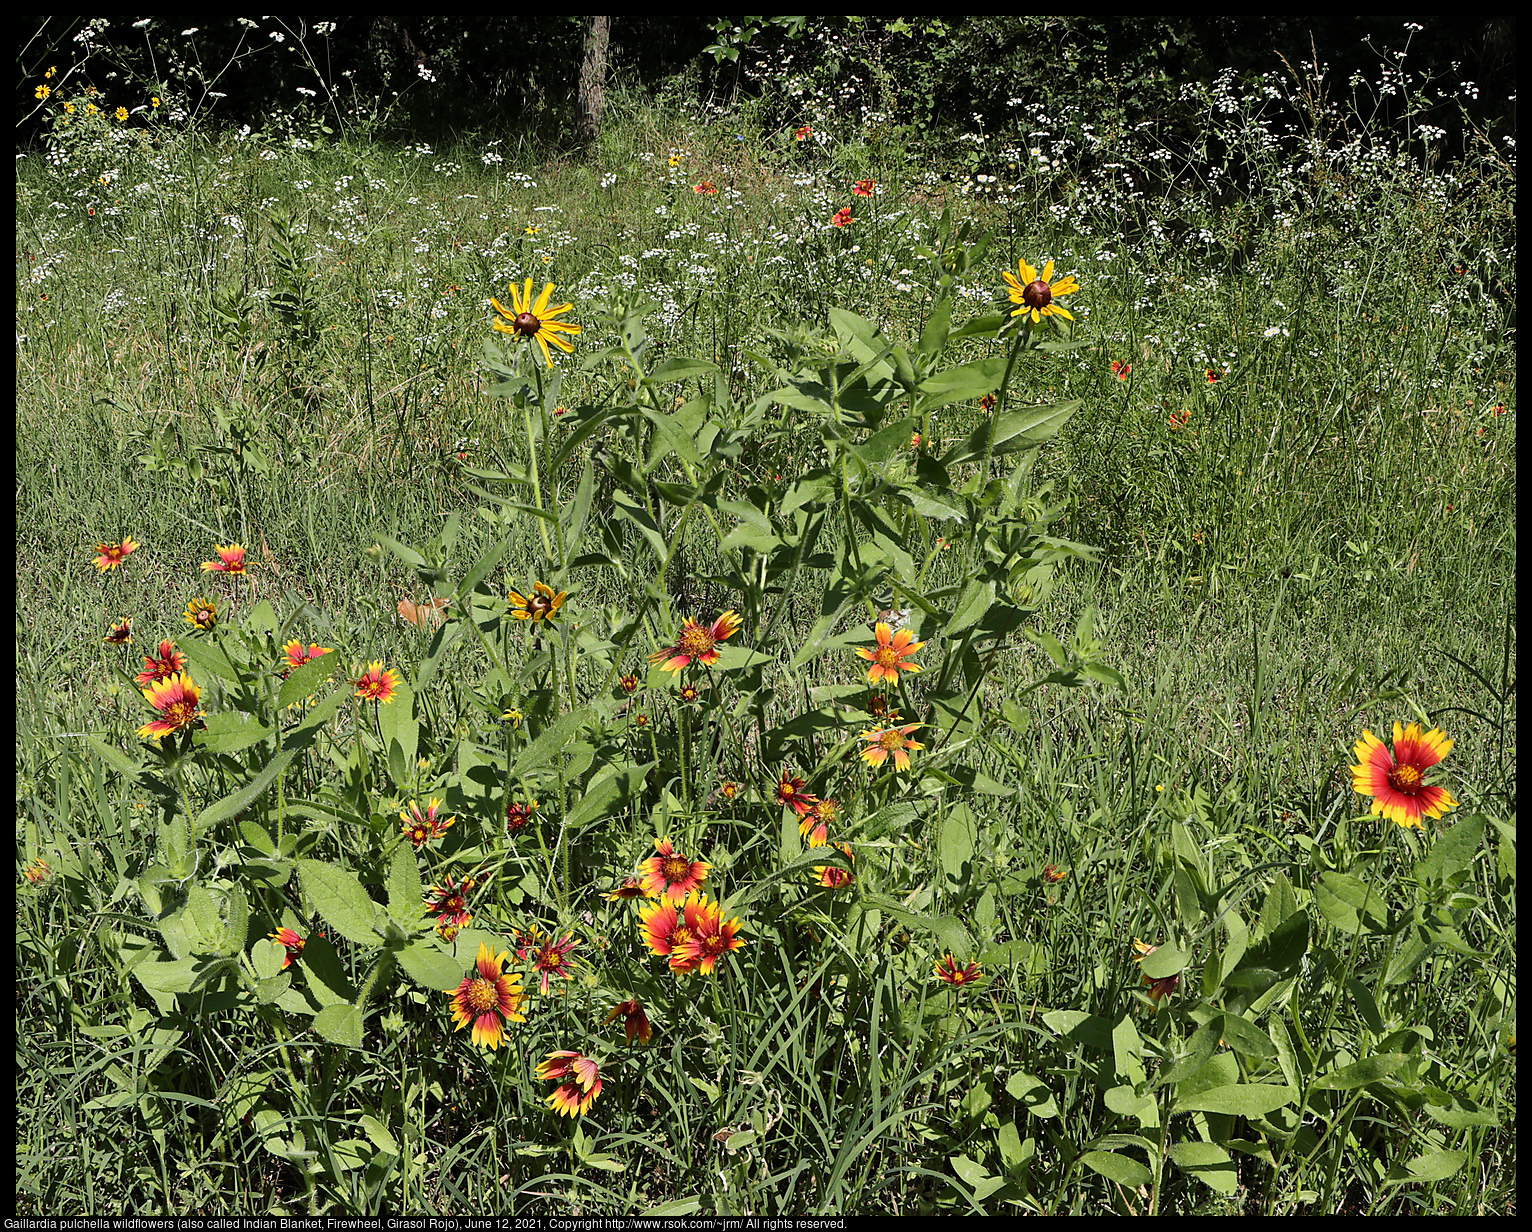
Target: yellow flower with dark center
540,604
1036,293
201,615
535,320
488,1000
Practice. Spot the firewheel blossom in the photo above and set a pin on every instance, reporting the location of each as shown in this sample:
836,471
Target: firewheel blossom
579,1077
671,874
488,999
696,643
175,699
110,555
1396,781
377,685
166,662
231,559
889,742
891,655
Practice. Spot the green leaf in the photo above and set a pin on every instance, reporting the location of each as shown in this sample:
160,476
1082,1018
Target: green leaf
1019,428
340,1024
608,792
377,1133
230,732
1345,900
1208,1162
1282,948
966,382
1117,1168
681,368
1246,1099
302,682
971,606
1032,1094
1246,1038
403,885
340,900
1364,1072
430,967
239,799
1452,852
1432,1166
547,744
959,834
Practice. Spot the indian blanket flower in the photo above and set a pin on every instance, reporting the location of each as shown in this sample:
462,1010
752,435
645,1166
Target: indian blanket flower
790,794
671,874
862,188
175,698
1158,988
579,1079
815,825
535,320
110,555
121,633
449,903
164,663
1036,293
892,654
377,685
696,643
1053,874
949,972
628,684
631,887
1121,369
549,957
1396,781
634,1020
707,937
231,559
831,876
423,827
662,928
297,656
803,133
890,741
842,217
37,872
201,615
1211,376
488,1000
707,187
540,604
291,942
517,815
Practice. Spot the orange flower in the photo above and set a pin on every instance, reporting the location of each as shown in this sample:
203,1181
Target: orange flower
422,827
790,794
949,972
163,664
110,555
815,825
297,656
176,700
708,937
517,815
488,1000
231,559
890,741
862,188
842,217
121,633
634,1020
1211,376
891,655
377,685
1053,874
1120,369
671,874
581,1083
1158,988
1396,782
660,927
697,644
707,187
832,876
291,941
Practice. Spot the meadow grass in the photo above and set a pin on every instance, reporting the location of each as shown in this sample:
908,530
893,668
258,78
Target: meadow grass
1256,498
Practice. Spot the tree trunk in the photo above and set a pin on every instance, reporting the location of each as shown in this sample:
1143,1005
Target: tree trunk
592,101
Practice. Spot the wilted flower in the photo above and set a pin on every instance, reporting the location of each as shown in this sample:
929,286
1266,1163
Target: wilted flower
949,972
540,604
634,1020
581,1081
291,941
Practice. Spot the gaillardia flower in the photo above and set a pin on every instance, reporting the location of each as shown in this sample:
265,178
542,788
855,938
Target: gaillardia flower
842,217
449,903
1036,294
121,633
634,1020
377,685
231,559
175,698
862,188
1396,782
549,957
422,827
832,876
579,1077
1158,988
489,1000
297,656
670,874
540,604
517,814
535,321
790,794
291,941
110,555
697,644
949,972
163,664
708,936
890,741
892,653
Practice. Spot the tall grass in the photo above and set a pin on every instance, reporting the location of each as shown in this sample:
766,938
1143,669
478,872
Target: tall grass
1156,619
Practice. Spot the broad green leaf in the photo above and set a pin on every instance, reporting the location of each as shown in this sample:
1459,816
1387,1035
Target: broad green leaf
1117,1168
548,743
1453,851
240,798
1364,1072
681,368
610,791
303,682
340,1024
340,900
1432,1166
1345,900
430,967
971,606
1282,948
403,884
230,732
1081,1027
964,383
377,1133
1246,1038
1031,1093
1208,1162
1246,1099
959,834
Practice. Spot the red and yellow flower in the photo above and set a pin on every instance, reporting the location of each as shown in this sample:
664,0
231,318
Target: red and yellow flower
949,972
121,633
634,1020
449,903
423,827
488,1000
110,555
1396,781
888,742
377,685
549,957
517,815
166,662
534,320
815,825
231,559
842,217
671,874
175,698
892,654
862,188
290,941
1036,293
708,937
297,656
1121,369
789,793
832,876
579,1079
1158,988
696,643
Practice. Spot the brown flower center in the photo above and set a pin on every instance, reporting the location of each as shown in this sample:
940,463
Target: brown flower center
675,868
527,324
1037,294
482,996
1405,779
